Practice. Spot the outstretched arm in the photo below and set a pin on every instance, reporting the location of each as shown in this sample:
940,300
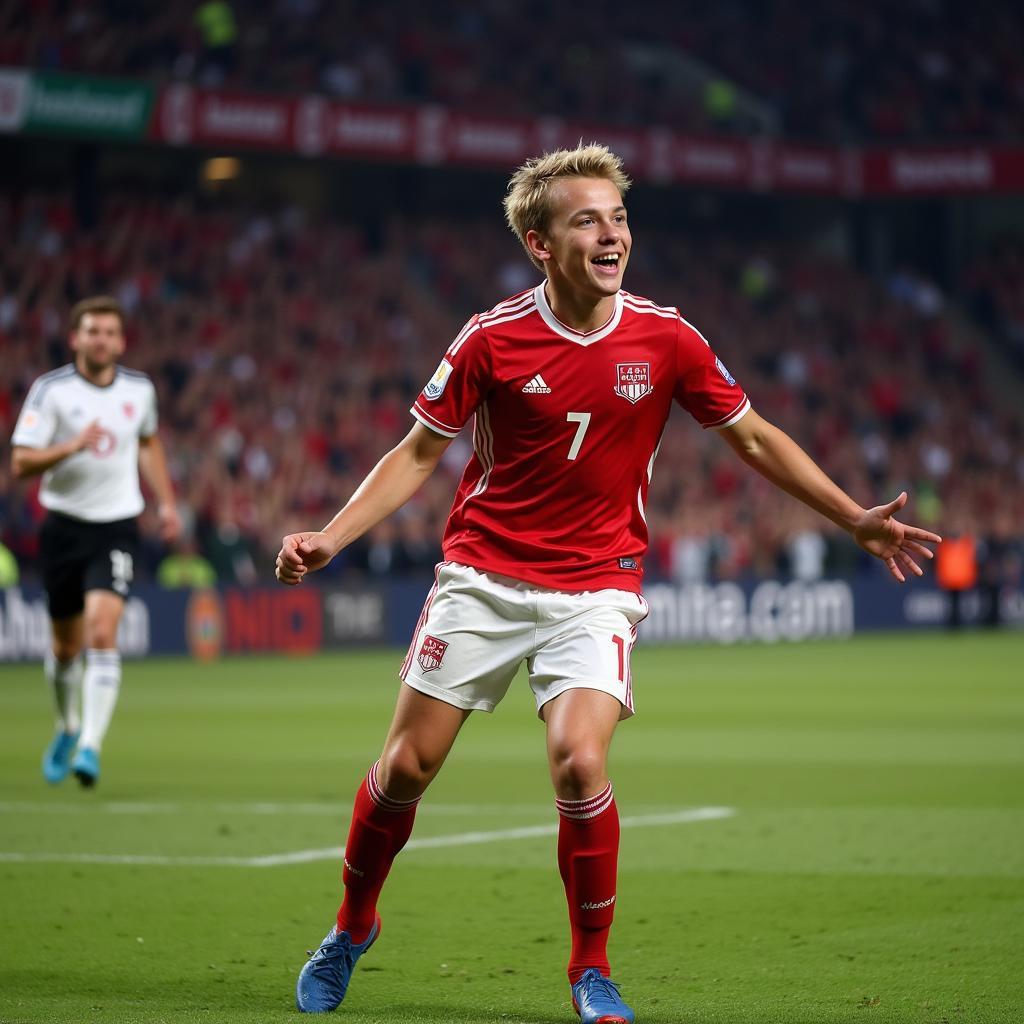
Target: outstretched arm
778,458
388,486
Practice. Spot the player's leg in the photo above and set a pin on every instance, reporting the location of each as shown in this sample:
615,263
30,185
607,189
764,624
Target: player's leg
102,680
582,681
422,732
580,724
108,577
62,666
61,553
471,638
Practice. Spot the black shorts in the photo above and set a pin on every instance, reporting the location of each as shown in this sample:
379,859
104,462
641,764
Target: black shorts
79,556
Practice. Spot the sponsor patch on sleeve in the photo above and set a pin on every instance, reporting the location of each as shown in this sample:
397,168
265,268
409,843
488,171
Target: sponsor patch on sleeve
724,372
437,384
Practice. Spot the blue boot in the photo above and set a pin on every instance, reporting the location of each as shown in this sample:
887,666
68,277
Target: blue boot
57,756
324,980
596,999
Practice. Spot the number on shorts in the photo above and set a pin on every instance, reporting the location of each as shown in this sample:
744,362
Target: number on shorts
621,645
583,419
121,569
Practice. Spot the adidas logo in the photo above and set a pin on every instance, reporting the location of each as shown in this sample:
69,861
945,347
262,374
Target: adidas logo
537,386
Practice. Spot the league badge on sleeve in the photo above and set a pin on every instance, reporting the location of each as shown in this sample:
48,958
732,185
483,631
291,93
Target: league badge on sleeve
724,372
437,384
633,381
431,653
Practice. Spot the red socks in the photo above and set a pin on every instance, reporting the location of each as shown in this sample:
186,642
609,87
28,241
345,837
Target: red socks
380,828
588,853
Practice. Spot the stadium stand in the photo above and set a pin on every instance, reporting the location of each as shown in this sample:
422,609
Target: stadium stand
282,380
926,69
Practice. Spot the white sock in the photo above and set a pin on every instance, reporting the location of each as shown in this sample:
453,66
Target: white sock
102,682
66,680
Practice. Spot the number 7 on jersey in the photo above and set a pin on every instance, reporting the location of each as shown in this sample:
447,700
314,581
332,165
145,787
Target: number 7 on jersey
582,419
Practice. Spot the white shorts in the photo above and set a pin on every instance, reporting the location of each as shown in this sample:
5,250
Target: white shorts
476,629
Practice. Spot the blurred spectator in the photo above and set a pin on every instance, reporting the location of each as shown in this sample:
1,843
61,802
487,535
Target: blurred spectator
215,20
185,568
956,570
9,575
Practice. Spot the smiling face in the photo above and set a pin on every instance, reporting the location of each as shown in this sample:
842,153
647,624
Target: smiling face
97,342
586,243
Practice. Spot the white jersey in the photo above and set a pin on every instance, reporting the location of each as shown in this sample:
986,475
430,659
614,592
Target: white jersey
100,486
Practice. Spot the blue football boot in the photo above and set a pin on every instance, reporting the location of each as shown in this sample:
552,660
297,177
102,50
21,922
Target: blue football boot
57,756
324,979
86,766
596,999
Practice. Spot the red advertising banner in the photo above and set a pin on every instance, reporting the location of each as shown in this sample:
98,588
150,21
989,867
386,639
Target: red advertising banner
430,135
943,170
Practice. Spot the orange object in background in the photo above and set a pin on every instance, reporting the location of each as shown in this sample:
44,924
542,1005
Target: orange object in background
956,563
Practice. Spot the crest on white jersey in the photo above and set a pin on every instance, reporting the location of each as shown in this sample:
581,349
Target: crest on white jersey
633,381
439,381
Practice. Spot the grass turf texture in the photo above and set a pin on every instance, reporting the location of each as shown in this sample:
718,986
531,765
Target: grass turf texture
873,870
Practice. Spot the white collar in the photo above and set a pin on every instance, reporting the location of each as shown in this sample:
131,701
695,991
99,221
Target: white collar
548,316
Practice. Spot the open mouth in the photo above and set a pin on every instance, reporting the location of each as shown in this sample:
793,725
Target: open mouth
608,264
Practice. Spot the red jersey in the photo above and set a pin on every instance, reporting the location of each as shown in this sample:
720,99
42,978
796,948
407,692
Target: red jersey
566,431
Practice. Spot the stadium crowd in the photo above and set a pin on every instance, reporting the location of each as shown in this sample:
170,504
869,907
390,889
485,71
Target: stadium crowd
286,351
925,69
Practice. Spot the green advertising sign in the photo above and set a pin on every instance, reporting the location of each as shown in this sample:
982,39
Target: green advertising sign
77,105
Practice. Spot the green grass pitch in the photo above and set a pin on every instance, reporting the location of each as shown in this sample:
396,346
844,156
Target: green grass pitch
870,867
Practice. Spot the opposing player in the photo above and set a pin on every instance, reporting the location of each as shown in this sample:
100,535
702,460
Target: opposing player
570,385
88,428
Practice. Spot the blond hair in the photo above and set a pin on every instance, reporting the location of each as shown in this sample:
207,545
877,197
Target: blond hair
528,198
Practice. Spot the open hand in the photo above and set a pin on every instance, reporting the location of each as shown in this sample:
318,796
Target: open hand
892,541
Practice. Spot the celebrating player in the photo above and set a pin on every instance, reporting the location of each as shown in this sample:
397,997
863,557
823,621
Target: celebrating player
569,385
89,427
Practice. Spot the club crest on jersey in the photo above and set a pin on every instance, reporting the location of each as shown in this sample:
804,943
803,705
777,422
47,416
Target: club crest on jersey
439,381
431,653
633,381
724,372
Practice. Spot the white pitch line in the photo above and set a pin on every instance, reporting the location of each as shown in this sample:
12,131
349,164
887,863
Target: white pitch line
259,808
336,852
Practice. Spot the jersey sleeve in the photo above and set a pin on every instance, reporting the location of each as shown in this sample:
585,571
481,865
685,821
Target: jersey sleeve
149,422
459,385
704,387
37,422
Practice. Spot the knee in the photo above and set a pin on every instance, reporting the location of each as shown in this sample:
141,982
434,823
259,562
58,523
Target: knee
65,650
578,772
100,636
404,771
